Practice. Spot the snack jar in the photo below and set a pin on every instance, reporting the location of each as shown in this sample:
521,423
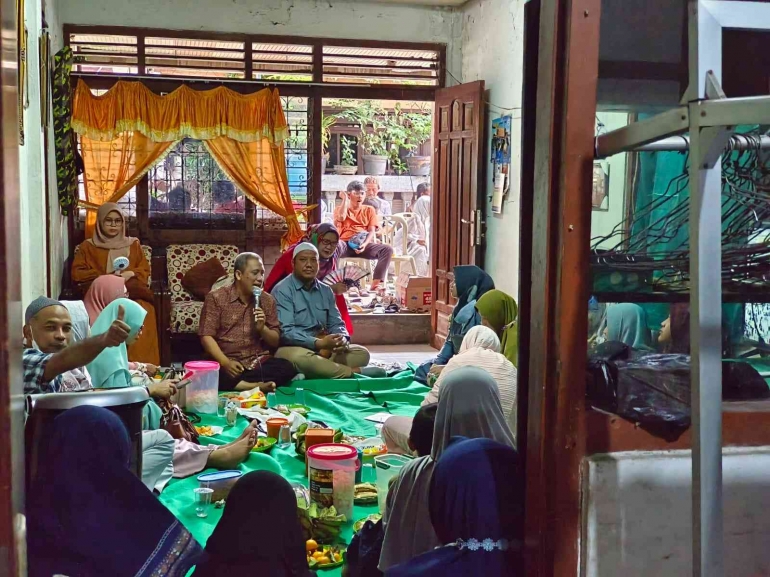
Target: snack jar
201,393
332,476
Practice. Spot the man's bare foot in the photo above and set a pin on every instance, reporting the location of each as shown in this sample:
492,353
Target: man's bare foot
235,453
252,426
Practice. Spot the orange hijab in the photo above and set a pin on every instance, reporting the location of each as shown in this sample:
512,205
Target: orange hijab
119,245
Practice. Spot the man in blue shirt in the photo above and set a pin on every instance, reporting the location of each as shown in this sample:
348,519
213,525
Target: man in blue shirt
313,335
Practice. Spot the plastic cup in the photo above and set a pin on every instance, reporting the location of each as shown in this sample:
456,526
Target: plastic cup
221,406
387,467
284,436
272,401
299,396
274,425
202,501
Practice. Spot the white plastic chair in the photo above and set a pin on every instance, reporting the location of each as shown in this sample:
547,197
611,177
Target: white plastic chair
391,224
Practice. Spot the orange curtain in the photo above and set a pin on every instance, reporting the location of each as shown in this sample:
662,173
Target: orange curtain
130,123
113,167
259,169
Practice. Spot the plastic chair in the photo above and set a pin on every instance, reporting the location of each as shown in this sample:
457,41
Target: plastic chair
391,224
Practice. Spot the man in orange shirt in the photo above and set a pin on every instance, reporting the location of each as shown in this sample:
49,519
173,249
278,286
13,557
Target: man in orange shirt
357,224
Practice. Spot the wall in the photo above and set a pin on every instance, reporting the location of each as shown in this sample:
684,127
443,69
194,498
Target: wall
603,221
492,50
637,514
34,280
320,18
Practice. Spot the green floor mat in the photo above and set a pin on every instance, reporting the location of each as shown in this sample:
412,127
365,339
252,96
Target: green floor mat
340,404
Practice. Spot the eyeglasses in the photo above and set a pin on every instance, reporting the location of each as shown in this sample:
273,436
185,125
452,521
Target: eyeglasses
115,221
327,242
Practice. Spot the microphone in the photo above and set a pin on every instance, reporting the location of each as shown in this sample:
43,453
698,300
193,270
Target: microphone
257,292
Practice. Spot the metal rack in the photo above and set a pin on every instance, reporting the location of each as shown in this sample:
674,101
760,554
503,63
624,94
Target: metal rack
709,117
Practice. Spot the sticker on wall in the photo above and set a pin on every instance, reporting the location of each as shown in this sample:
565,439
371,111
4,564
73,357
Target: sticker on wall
501,161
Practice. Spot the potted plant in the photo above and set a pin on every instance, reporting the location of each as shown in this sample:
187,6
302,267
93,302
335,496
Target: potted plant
374,142
347,165
420,131
326,124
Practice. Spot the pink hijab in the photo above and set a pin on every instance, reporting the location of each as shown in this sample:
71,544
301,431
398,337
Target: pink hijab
119,245
103,291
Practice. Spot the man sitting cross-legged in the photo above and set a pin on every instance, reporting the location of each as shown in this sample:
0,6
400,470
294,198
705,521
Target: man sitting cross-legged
357,224
238,332
313,335
54,361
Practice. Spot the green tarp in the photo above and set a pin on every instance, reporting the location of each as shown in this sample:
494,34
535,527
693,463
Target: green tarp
340,404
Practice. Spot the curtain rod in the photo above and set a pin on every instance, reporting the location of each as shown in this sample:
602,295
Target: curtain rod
218,80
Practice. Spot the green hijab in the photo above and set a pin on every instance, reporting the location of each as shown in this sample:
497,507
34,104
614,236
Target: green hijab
109,370
627,323
501,313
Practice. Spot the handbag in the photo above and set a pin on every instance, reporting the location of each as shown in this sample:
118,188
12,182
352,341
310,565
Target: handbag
176,422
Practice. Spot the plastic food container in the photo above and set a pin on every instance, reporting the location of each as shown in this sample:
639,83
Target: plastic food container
221,481
387,467
332,476
201,393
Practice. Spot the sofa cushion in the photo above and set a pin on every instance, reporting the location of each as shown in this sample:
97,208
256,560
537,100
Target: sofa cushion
182,257
199,279
185,317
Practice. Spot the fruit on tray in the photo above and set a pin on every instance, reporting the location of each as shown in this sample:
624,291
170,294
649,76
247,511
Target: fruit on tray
323,556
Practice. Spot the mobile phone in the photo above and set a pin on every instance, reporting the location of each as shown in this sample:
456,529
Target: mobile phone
182,384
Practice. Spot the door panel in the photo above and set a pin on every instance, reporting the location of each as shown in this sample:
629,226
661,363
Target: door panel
458,133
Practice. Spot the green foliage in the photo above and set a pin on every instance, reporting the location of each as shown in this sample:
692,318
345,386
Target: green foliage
348,155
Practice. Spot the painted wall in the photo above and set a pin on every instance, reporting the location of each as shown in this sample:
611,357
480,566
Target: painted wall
31,173
492,50
613,208
637,516
321,18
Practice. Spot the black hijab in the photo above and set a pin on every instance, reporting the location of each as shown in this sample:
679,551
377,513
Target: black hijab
257,540
89,515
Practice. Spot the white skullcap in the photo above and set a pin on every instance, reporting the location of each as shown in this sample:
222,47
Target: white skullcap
303,246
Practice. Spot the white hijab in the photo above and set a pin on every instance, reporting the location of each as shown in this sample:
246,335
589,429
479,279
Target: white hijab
480,337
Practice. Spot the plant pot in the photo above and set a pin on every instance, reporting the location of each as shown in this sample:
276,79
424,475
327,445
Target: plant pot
375,165
345,170
418,165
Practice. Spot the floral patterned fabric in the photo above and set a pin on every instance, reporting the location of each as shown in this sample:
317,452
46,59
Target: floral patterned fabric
185,309
64,138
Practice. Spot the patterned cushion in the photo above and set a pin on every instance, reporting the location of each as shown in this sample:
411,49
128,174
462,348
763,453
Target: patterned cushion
182,257
185,309
185,317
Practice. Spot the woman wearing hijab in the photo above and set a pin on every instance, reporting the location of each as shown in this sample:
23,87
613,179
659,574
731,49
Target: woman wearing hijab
102,292
110,370
96,256
469,284
480,348
500,313
469,406
627,324
321,236
89,515
477,511
242,545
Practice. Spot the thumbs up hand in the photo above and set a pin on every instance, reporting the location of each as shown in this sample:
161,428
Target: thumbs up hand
118,332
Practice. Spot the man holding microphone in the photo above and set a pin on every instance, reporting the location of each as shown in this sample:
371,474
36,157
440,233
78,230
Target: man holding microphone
239,328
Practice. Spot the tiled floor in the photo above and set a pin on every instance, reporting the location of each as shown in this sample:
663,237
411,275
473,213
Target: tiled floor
402,353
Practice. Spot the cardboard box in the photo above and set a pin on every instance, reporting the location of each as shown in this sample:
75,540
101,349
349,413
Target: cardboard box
414,293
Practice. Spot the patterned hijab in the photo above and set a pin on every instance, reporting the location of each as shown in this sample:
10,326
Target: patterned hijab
315,232
119,245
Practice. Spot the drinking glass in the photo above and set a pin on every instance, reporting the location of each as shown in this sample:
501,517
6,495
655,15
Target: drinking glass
221,406
299,396
284,436
202,501
271,400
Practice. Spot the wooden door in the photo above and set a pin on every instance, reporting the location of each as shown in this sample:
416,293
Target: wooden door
458,186
12,557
